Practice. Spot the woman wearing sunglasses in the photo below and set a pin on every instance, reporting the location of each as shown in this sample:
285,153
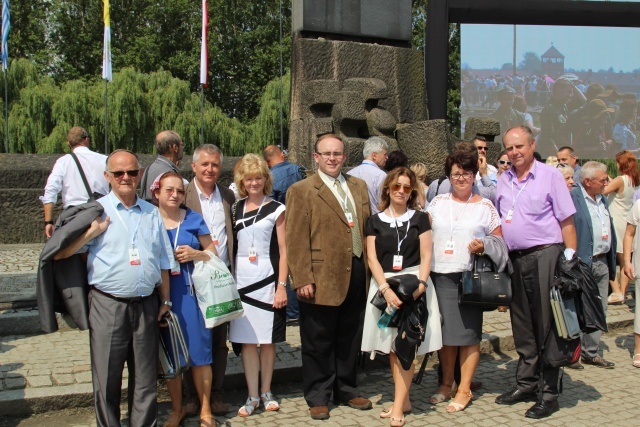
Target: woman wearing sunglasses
398,242
502,164
459,222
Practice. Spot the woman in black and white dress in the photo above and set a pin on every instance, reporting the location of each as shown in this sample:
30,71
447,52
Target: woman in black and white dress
261,275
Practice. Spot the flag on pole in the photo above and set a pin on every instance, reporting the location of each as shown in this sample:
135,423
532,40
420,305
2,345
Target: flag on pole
6,27
106,53
204,55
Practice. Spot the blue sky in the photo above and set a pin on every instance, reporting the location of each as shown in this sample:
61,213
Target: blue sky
491,46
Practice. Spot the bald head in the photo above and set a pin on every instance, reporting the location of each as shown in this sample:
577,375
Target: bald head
273,155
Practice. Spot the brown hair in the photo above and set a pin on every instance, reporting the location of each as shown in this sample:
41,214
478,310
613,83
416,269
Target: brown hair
392,178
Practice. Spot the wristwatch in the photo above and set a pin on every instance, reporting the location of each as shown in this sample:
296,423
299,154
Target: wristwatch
169,303
424,283
48,223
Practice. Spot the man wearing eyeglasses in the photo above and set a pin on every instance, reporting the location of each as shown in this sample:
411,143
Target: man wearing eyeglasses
170,150
128,261
569,157
370,171
596,247
325,217
537,225
65,177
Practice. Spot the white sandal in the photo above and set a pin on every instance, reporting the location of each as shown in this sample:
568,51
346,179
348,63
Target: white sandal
249,406
636,360
269,402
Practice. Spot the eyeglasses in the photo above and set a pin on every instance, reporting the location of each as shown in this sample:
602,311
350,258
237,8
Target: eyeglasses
120,174
406,189
460,176
482,148
327,155
170,191
504,162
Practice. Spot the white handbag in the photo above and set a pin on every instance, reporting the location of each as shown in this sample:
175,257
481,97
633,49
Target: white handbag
216,291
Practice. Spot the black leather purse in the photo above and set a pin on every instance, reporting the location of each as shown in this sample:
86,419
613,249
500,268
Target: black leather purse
487,289
411,331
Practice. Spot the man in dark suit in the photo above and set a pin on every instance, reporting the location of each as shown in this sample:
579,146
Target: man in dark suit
213,201
596,246
325,220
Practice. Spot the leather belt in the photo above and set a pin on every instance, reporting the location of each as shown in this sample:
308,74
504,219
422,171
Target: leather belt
599,257
523,252
134,300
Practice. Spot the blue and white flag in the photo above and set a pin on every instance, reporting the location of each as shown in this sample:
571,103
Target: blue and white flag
106,53
6,27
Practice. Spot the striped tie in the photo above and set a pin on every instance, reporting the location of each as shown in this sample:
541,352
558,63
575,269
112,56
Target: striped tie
356,238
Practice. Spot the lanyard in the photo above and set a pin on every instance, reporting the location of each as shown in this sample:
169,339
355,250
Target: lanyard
255,218
451,212
513,203
597,206
344,202
175,241
135,231
397,232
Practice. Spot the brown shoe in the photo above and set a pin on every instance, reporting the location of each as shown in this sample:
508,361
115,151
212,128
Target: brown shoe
359,403
191,406
319,412
476,385
218,406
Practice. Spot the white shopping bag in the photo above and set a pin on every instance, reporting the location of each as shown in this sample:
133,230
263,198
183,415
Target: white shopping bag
216,291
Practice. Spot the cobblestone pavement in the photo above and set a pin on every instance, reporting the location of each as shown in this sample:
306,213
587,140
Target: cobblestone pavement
19,258
591,397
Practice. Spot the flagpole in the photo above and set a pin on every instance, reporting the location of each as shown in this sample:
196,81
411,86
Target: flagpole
202,115
6,112
106,117
281,83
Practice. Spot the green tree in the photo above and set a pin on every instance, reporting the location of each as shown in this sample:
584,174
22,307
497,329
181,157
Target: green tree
531,63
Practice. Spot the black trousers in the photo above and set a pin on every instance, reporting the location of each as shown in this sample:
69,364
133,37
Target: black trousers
531,318
331,338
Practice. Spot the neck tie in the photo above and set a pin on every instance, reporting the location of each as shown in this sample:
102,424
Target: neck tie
356,238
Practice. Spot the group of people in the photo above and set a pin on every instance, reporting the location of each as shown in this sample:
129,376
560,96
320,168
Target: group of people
317,242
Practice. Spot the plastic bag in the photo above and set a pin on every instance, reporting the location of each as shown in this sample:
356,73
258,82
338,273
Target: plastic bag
216,292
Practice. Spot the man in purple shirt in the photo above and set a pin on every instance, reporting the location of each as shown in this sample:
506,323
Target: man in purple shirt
537,219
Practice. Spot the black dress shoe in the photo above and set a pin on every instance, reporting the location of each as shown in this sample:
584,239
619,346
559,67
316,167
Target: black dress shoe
514,396
598,361
576,365
542,409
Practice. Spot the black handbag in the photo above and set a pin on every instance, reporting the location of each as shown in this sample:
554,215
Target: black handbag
411,331
487,289
403,285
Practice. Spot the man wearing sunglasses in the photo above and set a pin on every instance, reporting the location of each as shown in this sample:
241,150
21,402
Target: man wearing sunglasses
128,261
484,168
65,177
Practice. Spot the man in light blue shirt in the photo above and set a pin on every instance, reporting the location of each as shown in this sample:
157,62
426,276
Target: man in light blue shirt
128,256
596,247
370,171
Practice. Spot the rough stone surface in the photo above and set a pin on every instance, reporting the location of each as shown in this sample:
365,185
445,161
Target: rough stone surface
485,126
426,142
355,90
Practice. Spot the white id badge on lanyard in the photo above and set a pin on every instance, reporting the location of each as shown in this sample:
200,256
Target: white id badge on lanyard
175,271
253,255
605,234
214,237
134,256
448,247
349,219
397,262
509,216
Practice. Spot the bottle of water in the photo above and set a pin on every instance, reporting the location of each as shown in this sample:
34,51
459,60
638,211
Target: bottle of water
386,317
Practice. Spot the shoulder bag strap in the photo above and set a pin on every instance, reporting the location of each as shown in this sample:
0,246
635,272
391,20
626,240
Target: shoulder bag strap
84,178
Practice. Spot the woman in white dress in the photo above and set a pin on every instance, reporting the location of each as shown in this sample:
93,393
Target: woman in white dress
620,191
261,274
399,242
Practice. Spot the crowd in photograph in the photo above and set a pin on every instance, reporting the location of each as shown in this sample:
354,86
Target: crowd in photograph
368,260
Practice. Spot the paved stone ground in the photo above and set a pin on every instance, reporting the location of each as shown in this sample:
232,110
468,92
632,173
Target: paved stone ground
19,258
591,397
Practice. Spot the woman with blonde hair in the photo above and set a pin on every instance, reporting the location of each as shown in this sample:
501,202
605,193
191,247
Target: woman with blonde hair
567,172
261,275
420,169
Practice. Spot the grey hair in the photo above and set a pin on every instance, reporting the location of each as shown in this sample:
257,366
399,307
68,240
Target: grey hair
375,144
121,150
165,140
207,148
589,170
565,169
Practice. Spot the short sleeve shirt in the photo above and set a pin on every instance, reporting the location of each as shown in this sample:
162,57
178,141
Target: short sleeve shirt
411,224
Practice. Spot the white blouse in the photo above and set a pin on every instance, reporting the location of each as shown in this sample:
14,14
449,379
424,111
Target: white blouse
454,225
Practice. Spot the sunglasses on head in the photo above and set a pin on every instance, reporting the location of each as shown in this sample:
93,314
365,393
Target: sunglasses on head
120,174
504,162
405,188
